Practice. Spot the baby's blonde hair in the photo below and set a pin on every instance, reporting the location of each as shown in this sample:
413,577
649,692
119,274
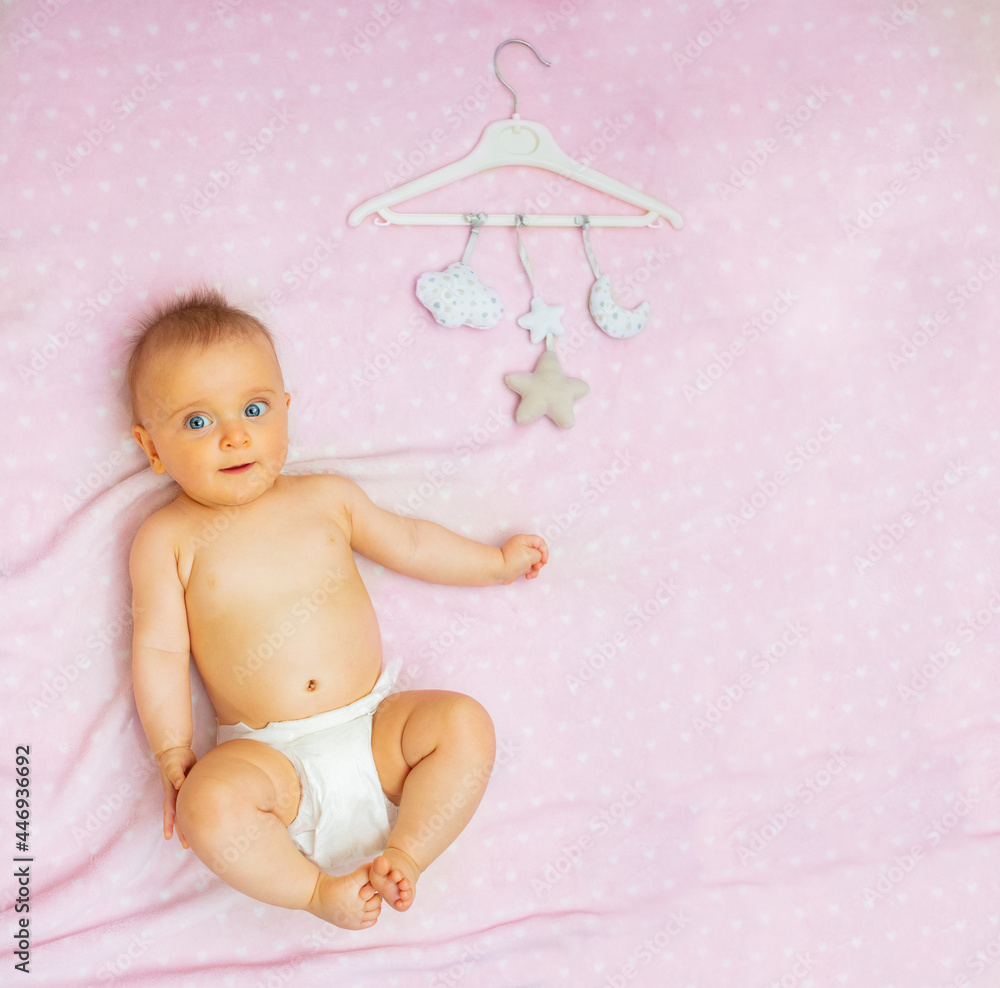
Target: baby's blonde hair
201,317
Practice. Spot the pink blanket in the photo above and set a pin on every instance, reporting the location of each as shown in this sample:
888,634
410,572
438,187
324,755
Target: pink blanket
747,716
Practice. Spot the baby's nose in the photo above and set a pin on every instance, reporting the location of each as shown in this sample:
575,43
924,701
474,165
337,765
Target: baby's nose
235,435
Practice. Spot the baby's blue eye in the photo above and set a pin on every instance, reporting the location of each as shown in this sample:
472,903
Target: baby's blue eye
197,422
255,409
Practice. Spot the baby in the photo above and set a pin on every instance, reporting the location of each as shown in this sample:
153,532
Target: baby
252,573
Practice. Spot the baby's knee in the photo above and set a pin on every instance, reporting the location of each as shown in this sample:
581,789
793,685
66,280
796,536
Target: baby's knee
205,802
470,722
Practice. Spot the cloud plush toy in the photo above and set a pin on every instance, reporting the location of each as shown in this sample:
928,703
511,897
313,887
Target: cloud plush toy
456,297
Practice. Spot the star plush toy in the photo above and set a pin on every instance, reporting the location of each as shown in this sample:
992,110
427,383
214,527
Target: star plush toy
546,391
543,320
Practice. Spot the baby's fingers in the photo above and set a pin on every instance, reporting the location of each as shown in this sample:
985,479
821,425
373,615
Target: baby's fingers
176,776
543,548
174,772
170,818
538,543
169,814
181,837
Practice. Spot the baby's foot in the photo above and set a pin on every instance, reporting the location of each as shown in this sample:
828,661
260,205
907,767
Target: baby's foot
347,901
393,874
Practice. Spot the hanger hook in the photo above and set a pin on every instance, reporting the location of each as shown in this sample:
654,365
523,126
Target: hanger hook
496,68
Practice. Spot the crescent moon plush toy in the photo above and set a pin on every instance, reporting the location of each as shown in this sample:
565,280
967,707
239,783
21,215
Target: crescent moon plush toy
610,316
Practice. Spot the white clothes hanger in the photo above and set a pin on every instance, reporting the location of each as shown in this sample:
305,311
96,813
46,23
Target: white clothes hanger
515,142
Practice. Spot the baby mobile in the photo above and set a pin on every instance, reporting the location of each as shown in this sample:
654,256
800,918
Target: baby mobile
456,296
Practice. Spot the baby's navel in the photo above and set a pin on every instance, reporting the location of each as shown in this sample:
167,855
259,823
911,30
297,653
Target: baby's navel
311,685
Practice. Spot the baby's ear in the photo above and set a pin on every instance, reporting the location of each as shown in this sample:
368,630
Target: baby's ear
288,399
143,438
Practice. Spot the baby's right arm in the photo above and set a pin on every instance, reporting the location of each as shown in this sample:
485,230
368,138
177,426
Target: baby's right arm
161,652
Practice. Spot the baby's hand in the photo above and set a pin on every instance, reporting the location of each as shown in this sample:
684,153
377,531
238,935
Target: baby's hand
175,763
525,554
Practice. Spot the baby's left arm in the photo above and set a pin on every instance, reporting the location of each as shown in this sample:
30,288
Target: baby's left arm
430,552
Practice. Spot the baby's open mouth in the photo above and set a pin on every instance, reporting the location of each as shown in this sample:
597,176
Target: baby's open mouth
240,469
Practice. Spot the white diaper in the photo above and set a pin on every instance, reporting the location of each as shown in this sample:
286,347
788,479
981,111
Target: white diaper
343,814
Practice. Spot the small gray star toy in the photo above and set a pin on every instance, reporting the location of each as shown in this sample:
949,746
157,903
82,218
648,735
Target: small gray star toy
546,391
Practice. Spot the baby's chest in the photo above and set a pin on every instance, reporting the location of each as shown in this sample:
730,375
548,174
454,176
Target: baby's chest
287,564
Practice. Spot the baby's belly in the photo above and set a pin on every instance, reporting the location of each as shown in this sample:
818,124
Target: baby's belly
290,664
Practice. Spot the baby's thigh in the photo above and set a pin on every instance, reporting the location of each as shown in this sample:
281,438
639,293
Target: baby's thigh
246,772
409,726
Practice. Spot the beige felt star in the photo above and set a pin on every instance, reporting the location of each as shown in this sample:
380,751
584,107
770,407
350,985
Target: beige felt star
546,391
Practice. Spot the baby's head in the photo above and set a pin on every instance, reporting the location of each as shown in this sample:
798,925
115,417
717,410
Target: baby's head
209,406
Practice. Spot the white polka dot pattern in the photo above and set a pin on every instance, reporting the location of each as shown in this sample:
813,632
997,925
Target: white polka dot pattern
456,297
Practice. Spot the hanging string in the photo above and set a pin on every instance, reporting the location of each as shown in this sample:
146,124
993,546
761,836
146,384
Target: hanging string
588,248
518,222
526,264
475,220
